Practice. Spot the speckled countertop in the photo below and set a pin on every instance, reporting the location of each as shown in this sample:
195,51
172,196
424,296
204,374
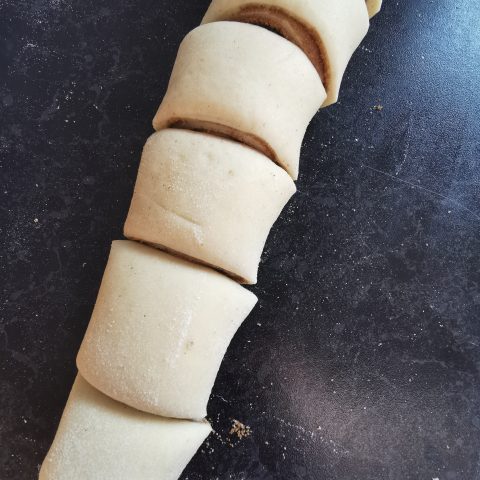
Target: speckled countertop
362,360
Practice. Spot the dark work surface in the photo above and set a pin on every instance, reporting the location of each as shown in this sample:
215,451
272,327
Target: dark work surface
362,359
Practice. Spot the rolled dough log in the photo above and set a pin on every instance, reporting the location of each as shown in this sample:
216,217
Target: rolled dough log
159,331
101,439
374,7
208,198
328,31
246,83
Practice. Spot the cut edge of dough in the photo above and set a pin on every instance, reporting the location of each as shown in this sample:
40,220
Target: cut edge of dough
197,261
224,131
147,408
293,29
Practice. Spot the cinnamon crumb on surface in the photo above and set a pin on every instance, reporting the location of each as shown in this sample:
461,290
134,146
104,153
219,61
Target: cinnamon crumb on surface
240,430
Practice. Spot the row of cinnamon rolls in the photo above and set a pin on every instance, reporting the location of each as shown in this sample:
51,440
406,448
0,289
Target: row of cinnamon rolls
212,181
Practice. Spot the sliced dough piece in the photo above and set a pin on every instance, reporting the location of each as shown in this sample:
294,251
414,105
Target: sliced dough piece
374,7
159,331
328,31
246,83
101,439
208,198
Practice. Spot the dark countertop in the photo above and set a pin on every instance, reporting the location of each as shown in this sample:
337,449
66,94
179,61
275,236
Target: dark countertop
362,360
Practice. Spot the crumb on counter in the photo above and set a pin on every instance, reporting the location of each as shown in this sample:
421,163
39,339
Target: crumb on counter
240,430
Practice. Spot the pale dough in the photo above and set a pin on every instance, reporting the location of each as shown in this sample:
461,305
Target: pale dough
328,31
101,439
208,198
246,83
159,331
374,7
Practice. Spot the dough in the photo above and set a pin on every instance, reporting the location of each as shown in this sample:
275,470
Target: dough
159,331
328,31
246,83
374,7
100,439
208,198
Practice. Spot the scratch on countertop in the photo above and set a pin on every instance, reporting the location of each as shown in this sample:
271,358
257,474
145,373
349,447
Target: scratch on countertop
420,187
